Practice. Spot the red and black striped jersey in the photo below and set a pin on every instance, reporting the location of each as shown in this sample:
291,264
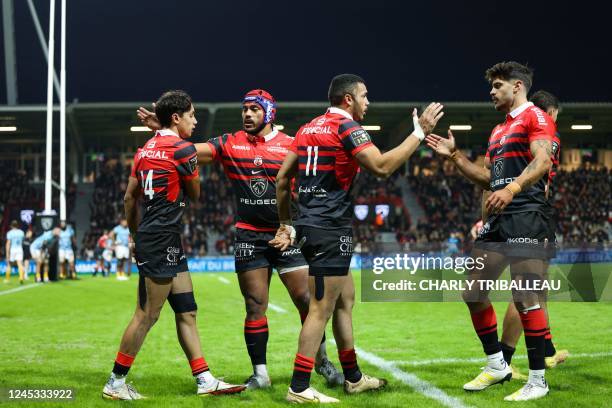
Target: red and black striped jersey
509,154
326,148
160,166
252,163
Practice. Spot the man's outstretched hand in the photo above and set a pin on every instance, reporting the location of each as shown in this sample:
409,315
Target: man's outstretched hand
444,147
148,118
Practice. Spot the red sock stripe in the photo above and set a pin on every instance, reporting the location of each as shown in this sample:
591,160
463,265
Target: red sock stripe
256,331
256,324
124,359
198,365
534,322
485,321
303,363
348,358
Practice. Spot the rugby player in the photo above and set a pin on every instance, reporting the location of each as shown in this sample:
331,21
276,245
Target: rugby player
14,251
165,170
517,231
512,327
327,153
121,236
40,253
66,252
99,254
27,255
251,159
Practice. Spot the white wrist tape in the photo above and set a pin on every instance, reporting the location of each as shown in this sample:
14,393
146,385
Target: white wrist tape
418,131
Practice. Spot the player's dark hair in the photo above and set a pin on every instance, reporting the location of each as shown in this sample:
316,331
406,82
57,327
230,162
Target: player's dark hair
510,70
169,103
544,100
14,224
341,85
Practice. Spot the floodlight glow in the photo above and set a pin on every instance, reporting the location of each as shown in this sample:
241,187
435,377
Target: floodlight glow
582,127
140,129
8,128
460,127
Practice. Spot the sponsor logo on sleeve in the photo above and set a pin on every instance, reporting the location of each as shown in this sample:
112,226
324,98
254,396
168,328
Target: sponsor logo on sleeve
359,137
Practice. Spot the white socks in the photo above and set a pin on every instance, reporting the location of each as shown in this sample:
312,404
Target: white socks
260,370
496,361
118,380
206,377
537,377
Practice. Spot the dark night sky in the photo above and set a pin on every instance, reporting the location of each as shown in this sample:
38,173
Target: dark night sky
132,50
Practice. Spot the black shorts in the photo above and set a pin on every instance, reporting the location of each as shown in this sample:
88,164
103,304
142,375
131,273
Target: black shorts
327,251
160,255
27,255
252,251
528,234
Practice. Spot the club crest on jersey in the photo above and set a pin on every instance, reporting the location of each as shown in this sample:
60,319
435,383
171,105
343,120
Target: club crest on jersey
498,167
258,161
258,185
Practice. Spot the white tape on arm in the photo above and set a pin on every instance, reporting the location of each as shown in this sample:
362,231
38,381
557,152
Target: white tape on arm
418,131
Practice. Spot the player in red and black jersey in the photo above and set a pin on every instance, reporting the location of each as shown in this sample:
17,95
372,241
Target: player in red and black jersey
251,159
512,327
165,170
326,154
517,231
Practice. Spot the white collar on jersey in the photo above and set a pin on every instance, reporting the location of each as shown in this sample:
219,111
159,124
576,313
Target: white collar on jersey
520,109
271,135
339,111
166,132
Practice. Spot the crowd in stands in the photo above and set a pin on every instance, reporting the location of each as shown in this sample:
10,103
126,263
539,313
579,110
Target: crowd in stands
582,199
450,202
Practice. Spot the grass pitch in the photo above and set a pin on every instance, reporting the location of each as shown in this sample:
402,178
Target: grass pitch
66,335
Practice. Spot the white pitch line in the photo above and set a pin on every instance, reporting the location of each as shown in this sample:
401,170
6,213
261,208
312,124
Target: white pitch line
222,279
276,308
421,386
416,363
19,289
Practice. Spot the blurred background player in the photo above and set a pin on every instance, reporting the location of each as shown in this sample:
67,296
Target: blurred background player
40,254
27,255
165,170
251,158
14,251
327,153
98,254
512,327
121,236
107,255
66,251
517,230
